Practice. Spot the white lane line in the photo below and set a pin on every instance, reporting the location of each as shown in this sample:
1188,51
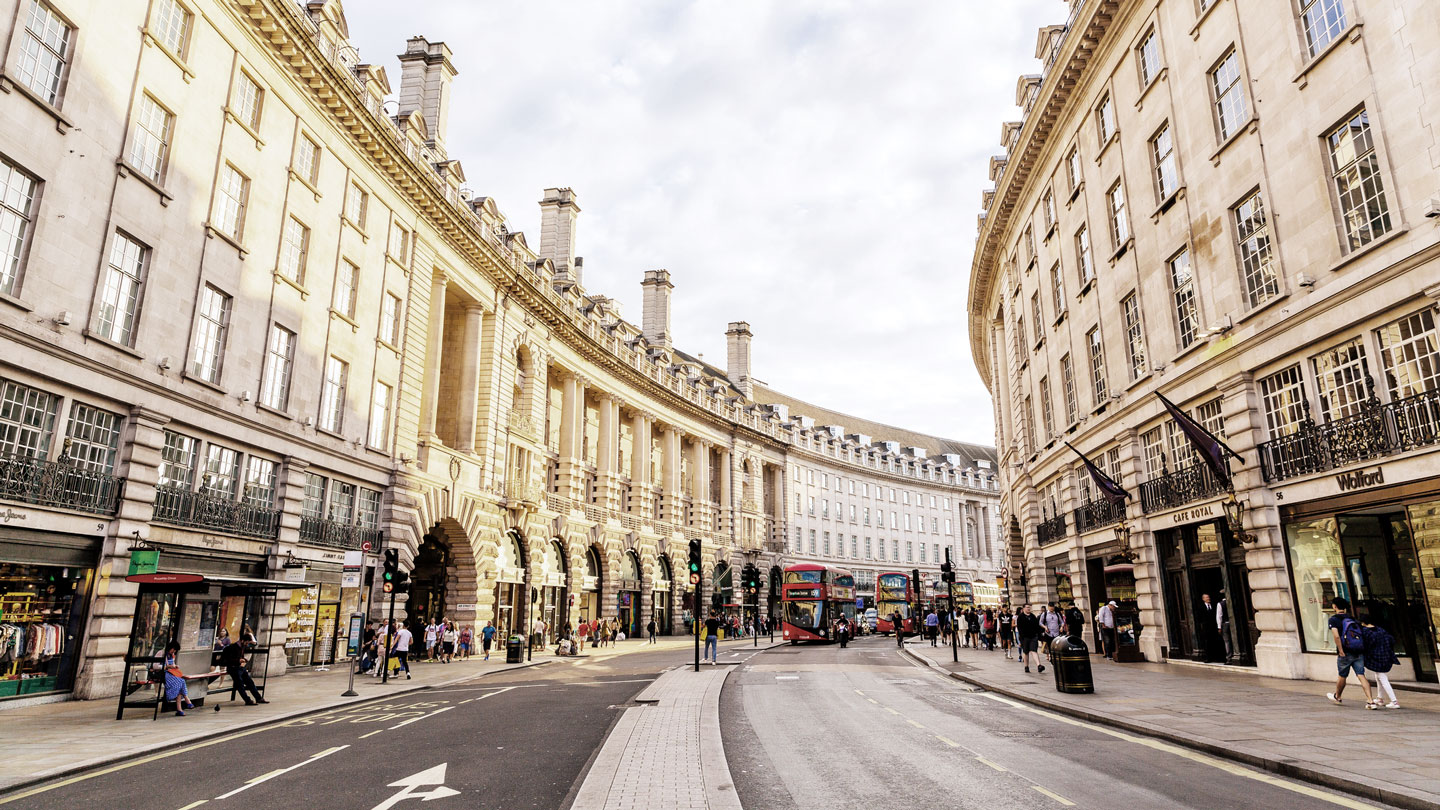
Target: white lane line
372,734
267,777
1056,796
421,717
787,677
193,805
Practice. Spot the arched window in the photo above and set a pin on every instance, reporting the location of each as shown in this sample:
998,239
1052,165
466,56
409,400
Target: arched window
630,567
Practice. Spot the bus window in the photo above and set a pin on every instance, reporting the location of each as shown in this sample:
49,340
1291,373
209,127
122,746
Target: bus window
803,614
802,577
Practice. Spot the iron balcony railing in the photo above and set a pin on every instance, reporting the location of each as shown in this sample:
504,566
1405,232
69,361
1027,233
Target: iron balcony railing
324,532
1051,530
1185,485
1096,513
58,483
183,507
1375,430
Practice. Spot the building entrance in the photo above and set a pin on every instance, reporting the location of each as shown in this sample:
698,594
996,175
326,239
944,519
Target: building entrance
427,577
1199,560
1384,579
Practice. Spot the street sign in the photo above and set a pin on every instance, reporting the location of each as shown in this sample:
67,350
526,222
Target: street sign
165,579
144,562
860,602
357,625
429,776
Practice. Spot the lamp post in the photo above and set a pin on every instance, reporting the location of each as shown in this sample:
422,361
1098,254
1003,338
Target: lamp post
1235,519
1122,539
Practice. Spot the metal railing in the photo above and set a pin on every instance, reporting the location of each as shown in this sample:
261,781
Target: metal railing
1051,530
1185,485
333,533
59,484
1094,514
183,507
1374,431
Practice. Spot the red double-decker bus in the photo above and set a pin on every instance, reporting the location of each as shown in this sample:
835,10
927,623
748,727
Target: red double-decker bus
813,597
893,595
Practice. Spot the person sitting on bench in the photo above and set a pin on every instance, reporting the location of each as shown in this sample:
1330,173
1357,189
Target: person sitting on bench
232,658
176,688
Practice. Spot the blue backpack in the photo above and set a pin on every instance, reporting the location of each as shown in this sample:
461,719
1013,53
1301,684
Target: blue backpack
1352,636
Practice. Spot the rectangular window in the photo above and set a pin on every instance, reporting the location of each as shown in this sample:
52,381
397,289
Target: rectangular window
1047,207
1067,378
1020,352
294,250
1323,21
93,437
1029,245
812,541
1057,290
1134,335
811,505
1410,353
44,52
356,202
1047,412
27,420
1029,417
279,359
367,515
1256,260
177,460
150,142
1119,221
922,552
249,100
342,503
222,468
1149,57
1182,292
827,544
865,516
17,194
230,201
172,26
120,293
347,278
1356,171
380,416
1072,169
210,334
1036,311
1082,256
1283,395
259,482
1153,443
1230,109
909,551
1340,375
307,160
332,394
1105,121
313,506
869,549
399,243
390,319
1162,149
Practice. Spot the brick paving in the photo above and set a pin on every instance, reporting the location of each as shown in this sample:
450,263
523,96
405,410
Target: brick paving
1281,725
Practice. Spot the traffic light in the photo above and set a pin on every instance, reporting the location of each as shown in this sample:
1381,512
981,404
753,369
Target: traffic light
750,579
695,562
394,580
947,571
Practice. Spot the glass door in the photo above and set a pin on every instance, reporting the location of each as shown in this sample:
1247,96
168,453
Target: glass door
1381,566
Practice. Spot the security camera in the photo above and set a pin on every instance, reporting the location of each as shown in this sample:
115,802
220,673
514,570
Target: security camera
1432,208
1305,280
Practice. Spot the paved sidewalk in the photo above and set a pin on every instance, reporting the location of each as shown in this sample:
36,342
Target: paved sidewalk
54,739
668,753
1282,726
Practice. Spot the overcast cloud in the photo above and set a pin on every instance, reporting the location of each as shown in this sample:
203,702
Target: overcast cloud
813,168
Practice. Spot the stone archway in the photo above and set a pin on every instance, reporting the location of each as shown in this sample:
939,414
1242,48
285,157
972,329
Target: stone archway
549,588
662,587
628,594
592,582
510,583
443,575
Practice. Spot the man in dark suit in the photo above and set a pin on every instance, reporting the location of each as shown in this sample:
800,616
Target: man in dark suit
1208,622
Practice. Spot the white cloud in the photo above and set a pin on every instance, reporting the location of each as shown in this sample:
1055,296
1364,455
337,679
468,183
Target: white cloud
812,167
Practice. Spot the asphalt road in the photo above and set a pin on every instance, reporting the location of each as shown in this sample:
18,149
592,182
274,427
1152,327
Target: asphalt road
510,740
820,727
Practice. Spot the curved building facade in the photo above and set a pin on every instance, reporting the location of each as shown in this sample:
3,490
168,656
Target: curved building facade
258,329
1232,205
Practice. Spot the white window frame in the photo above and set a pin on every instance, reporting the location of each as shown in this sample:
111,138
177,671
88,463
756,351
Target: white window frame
232,196
43,64
150,139
380,405
211,330
18,191
332,394
279,367
122,287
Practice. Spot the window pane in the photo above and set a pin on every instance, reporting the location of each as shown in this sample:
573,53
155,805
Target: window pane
1283,395
93,437
278,357
332,394
1230,107
259,482
1340,379
43,52
17,193
222,466
1256,261
120,295
150,142
1182,285
27,420
210,334
294,250
177,460
233,189
172,25
1324,20
1167,179
1361,193
1134,335
1410,351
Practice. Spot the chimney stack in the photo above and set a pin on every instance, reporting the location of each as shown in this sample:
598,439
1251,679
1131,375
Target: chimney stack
655,320
737,357
425,74
558,212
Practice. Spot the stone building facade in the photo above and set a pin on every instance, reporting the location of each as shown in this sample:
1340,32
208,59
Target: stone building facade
254,320
1234,205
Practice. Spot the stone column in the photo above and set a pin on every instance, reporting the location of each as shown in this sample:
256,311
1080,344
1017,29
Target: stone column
572,445
107,635
640,483
469,378
700,479
726,506
434,345
607,452
670,499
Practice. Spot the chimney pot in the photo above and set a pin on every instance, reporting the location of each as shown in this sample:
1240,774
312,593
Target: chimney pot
737,357
655,319
425,74
558,214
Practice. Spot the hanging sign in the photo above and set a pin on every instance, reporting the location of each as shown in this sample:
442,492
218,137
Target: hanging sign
144,562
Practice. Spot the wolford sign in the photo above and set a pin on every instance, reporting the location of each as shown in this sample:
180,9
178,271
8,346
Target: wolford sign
1360,479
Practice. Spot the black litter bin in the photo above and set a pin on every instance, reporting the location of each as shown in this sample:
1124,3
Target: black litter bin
515,650
1070,660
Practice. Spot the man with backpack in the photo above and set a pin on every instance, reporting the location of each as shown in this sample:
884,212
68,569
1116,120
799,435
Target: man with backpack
1349,638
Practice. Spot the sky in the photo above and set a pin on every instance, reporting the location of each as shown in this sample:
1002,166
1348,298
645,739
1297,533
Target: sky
813,167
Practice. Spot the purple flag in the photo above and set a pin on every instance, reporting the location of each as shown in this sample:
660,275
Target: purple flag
1112,491
1211,449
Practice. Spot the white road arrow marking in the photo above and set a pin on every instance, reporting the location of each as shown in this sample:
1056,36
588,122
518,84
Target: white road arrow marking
408,785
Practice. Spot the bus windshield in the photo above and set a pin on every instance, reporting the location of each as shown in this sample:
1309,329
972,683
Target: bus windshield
891,588
805,615
886,608
799,577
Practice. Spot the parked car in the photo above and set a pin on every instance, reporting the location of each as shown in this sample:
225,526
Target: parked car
870,616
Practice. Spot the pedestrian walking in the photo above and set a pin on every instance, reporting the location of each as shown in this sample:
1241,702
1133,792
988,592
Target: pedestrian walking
448,638
382,648
1105,617
1349,639
1027,627
712,641
467,638
650,630
1380,658
972,628
1051,623
987,628
232,658
487,638
842,631
432,639
932,626
403,637
1007,630
367,647
1074,620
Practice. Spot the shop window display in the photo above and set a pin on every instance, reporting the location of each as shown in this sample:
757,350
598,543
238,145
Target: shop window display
1317,566
41,610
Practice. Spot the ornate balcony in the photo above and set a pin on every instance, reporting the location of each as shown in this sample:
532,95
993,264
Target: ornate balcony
332,533
58,483
1185,485
1376,430
183,507
1094,514
524,492
1051,530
